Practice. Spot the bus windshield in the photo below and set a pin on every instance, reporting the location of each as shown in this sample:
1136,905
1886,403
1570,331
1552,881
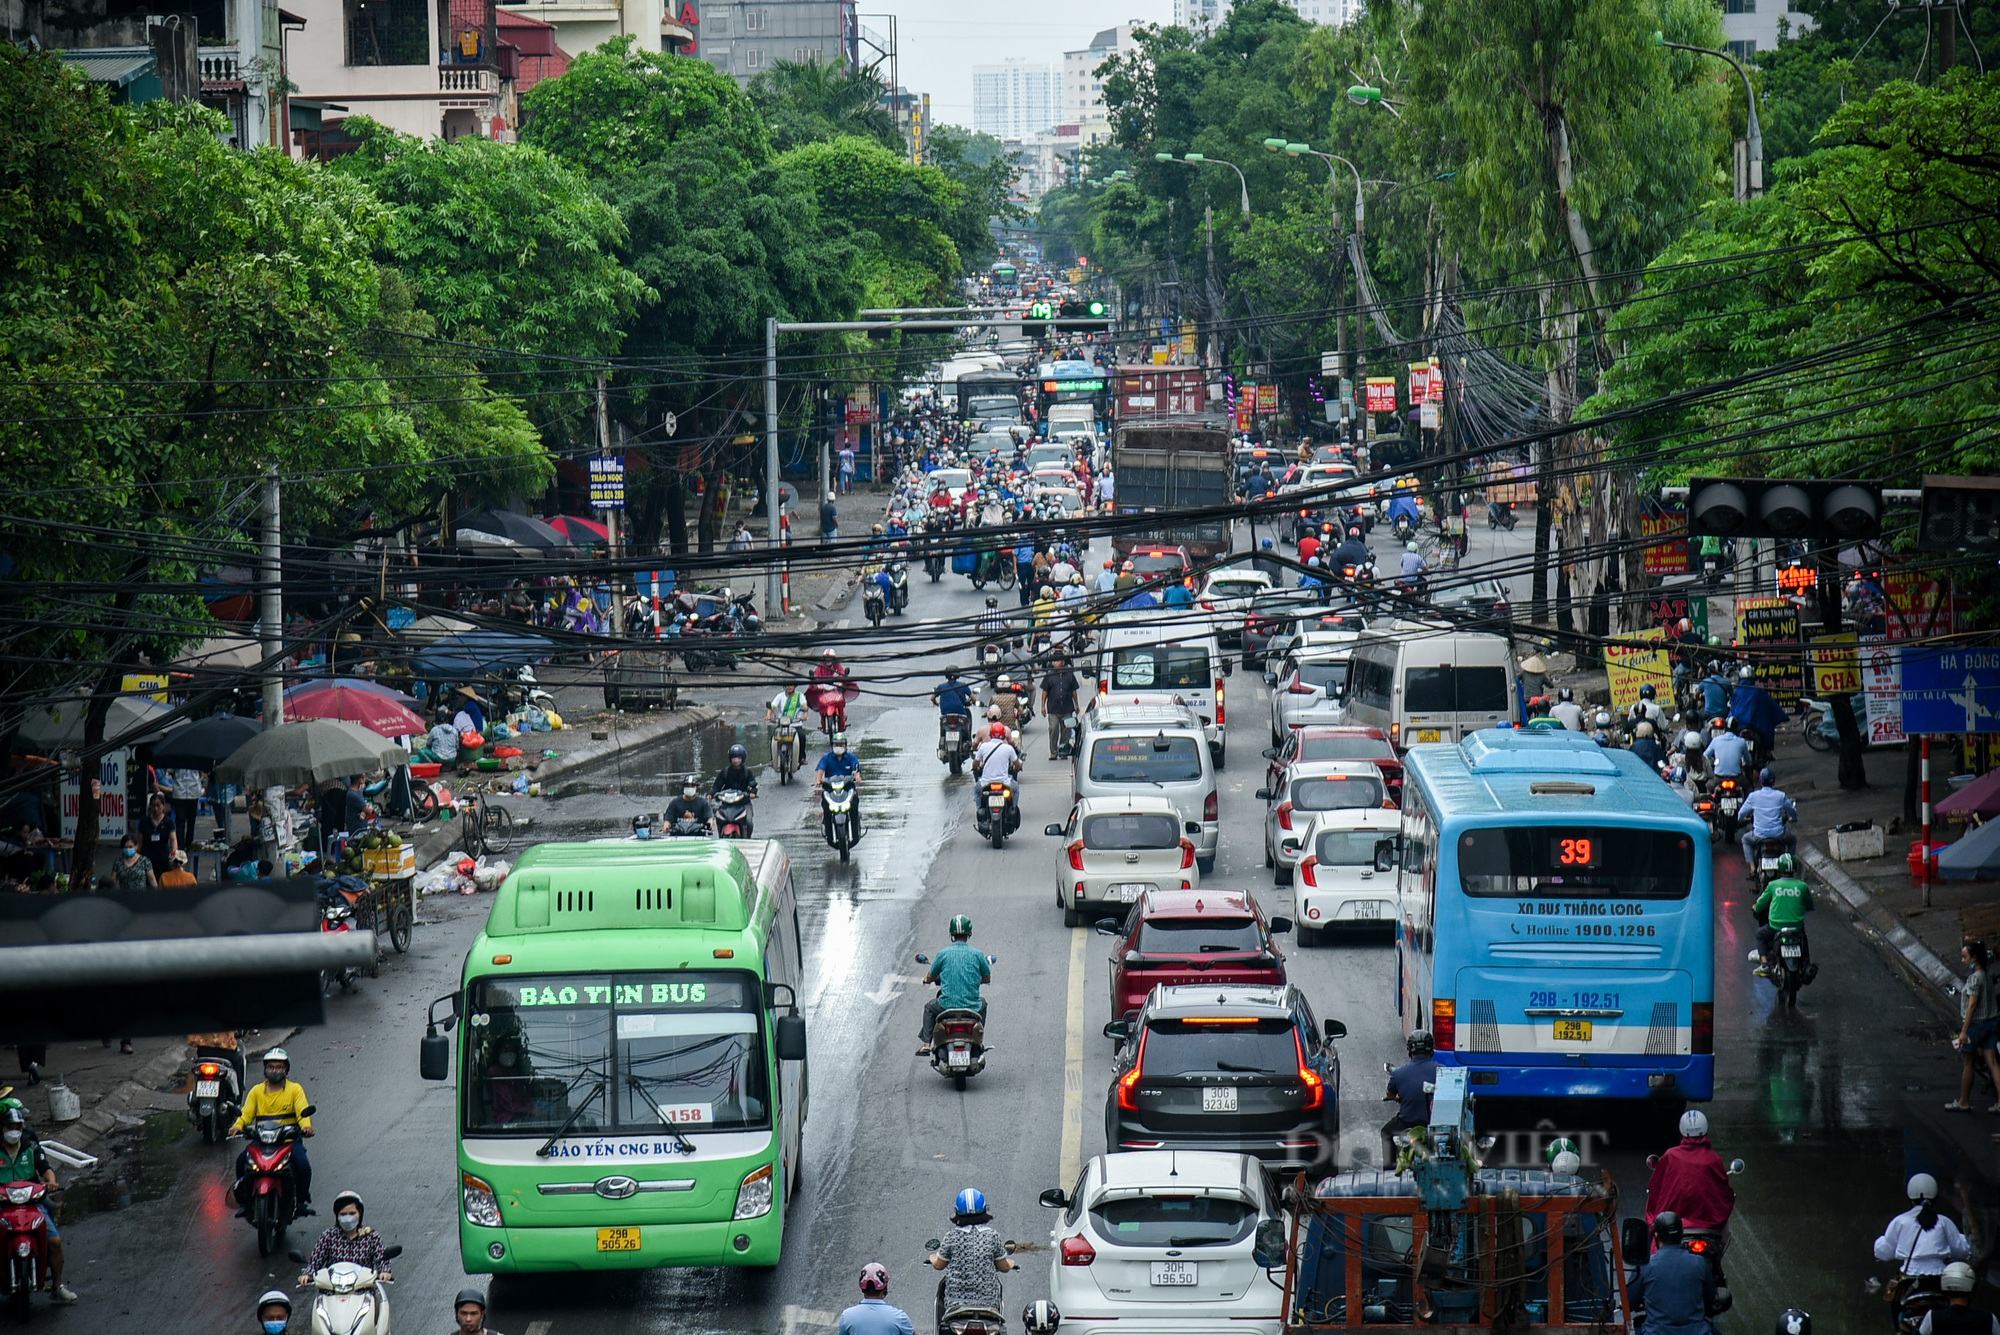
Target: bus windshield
1581,862
621,1053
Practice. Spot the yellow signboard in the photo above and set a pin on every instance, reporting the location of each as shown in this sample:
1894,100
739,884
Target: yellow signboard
153,684
1631,666
1836,664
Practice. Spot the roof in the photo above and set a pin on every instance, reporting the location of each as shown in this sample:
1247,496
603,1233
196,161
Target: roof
667,885
1176,1169
1107,38
1333,769
1150,803
113,66
1198,903
1193,999
1533,774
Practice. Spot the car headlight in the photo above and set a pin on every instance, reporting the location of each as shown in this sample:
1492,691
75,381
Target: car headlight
754,1198
482,1206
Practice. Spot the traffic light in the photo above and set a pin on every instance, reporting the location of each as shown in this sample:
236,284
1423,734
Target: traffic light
1769,507
1082,317
1959,514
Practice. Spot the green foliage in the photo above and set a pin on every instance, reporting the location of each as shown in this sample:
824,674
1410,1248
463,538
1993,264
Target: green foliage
984,172
619,109
894,211
804,102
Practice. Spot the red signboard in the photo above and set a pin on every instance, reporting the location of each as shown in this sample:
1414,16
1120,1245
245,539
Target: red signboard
1267,398
1919,606
1665,535
860,411
1381,394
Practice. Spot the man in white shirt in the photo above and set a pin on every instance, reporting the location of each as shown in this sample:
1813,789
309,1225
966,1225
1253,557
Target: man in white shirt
1567,711
996,758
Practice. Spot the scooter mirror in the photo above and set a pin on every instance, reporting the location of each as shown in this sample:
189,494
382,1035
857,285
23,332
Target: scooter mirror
930,1244
391,1253
308,1110
923,959
1634,1241
1735,1167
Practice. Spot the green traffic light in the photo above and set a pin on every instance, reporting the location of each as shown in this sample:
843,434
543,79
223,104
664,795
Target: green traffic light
1097,308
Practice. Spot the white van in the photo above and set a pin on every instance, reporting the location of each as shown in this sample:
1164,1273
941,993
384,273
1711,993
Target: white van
1169,651
1169,762
1072,419
1423,682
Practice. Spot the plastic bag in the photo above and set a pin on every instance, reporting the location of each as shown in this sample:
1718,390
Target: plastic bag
556,723
471,741
501,732
435,881
488,875
504,752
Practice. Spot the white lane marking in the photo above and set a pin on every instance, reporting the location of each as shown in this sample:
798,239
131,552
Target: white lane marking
791,1317
841,624
892,987
1072,1124
539,1327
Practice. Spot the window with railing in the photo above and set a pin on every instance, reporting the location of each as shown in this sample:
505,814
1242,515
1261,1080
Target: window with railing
388,32
1744,51
1739,6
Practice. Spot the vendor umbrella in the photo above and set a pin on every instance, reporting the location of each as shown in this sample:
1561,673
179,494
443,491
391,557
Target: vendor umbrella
1976,857
1979,798
335,700
426,629
309,751
205,744
59,723
222,653
479,653
369,684
581,532
523,530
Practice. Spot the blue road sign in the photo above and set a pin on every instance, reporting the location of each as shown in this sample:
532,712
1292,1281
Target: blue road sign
1951,690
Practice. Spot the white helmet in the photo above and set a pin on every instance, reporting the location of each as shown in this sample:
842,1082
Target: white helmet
1690,740
1959,1278
1694,1122
1566,1163
1921,1187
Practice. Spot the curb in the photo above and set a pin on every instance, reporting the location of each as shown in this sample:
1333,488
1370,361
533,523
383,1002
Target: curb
837,597
1936,982
105,1114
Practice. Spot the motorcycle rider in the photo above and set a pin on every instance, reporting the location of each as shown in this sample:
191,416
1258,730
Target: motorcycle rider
1784,903
992,622
952,696
1675,1287
23,1160
997,758
470,1309
1412,573
1765,813
972,1258
1959,1316
1727,754
1649,707
1005,707
959,971
1059,690
874,1315
1351,552
348,1240
1567,710
281,1097
274,1312
1410,1089
1690,1181
787,706
1920,1241
737,773
1647,747
1753,712
690,805
840,762
830,681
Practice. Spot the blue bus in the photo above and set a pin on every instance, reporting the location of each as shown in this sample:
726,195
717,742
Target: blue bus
1555,924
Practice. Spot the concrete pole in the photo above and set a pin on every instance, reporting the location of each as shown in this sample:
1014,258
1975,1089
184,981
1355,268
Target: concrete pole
271,603
772,493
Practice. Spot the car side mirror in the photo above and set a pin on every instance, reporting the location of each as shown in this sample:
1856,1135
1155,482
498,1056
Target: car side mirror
1053,831
1279,925
1633,1241
1118,1031
1108,927
1055,1198
1268,1251
434,1057
1385,855
1335,1029
923,959
1263,794
1269,753
790,1035
1228,668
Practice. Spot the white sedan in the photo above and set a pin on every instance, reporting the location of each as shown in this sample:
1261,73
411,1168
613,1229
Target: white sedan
1226,596
1167,1240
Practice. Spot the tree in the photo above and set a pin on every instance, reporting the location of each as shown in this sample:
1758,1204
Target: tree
984,172
804,102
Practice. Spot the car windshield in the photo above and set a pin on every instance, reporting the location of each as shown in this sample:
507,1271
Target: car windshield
1132,830
1174,1221
621,1052
987,407
1153,563
1205,935
1189,1047
1348,848
1336,792
1236,588
951,477
1144,759
1346,748
1154,667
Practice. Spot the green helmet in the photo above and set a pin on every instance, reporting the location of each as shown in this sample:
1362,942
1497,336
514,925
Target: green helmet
1785,864
1561,1145
961,926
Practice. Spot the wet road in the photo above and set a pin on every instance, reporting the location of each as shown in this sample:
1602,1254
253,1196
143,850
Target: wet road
1828,1105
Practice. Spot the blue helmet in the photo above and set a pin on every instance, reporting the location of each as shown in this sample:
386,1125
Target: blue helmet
970,1201
1267,544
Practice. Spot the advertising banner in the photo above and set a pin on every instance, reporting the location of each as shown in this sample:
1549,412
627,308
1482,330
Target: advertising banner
1836,665
1665,535
1631,666
113,818
1381,391
607,482
1769,628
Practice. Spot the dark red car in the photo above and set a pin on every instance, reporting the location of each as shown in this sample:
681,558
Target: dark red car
1327,741
1192,936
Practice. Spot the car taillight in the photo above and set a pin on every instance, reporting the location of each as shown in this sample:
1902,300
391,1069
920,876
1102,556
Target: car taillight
1298,688
1127,1084
1315,1084
1500,606
210,1070
1220,718
1444,1024
1285,815
1395,730
1307,872
1078,1251
1704,1027
1076,856
1210,809
1187,854
1207,605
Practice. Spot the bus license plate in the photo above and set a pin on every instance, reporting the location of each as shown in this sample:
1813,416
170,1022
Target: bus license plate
1429,734
1175,1273
208,1089
1572,1031
1128,891
1219,1099
618,1239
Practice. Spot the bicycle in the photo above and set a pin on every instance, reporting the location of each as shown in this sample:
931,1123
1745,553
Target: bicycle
489,827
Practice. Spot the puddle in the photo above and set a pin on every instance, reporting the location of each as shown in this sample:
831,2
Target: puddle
136,1166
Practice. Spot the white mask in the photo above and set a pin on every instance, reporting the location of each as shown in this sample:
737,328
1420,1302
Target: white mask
349,1222
11,1136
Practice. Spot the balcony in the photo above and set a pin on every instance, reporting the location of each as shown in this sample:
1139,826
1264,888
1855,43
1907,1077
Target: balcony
218,66
468,81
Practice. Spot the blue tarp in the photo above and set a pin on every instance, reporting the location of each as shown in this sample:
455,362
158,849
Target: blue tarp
1976,857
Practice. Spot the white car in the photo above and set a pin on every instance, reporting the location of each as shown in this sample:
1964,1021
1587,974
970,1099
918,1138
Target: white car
955,481
1226,595
1337,884
1306,788
1311,676
1114,850
1154,1241
1309,622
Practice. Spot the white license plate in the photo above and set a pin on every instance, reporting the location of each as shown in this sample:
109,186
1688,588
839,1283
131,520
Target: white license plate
951,735
1368,908
207,1089
1792,952
1174,1274
1219,1099
1729,805
1767,864
1127,891
958,1055
996,802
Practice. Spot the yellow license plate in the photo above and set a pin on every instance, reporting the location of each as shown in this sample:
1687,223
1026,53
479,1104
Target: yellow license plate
623,1239
1567,1031
1428,734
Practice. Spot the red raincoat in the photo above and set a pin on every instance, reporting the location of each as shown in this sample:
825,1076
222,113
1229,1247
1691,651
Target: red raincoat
1690,1180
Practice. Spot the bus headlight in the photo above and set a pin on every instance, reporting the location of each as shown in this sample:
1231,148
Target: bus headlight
753,1198
482,1206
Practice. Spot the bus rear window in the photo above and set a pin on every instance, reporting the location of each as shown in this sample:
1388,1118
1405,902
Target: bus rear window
1155,667
1576,862
1145,759
1455,690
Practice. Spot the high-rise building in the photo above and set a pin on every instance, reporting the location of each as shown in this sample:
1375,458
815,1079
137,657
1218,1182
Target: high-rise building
1201,14
742,38
1752,25
1016,99
1082,89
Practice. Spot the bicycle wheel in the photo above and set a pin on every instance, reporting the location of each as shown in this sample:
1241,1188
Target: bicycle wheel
497,829
472,825
401,921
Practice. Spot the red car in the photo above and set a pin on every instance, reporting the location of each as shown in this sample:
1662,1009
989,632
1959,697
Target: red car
1192,936
1327,741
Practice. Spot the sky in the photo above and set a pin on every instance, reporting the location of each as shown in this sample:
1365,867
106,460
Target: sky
939,41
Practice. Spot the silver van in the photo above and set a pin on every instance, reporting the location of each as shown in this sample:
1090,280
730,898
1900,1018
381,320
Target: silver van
1166,760
1168,652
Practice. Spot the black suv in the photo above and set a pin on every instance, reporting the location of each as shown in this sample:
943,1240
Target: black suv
1246,1070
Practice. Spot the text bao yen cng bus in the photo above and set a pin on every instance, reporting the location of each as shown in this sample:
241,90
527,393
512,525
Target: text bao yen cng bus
1555,919
632,1086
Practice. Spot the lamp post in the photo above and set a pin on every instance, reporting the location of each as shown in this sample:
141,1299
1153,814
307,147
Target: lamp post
1199,160
1754,186
1365,95
1292,148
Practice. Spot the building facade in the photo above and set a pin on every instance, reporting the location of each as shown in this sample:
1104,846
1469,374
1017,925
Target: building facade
1082,89
1753,25
743,38
1015,100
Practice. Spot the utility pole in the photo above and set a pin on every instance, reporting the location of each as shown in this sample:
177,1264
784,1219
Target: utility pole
1221,353
772,493
1948,48
604,448
271,603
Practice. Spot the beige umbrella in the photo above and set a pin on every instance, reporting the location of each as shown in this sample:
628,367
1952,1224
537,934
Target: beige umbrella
430,629
309,751
224,652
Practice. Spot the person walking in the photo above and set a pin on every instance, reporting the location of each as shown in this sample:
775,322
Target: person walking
1978,1038
1059,691
846,469
829,520
189,784
158,835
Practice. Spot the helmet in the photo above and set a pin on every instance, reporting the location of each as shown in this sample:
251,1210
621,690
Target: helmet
1921,1187
1691,740
1267,544
1694,1122
998,732
1559,1146
1420,1043
874,1280
1352,532
1793,1321
1603,719
1040,1317
840,739
1647,692
354,1196
972,1200
991,601
739,752
1111,564
1005,683
1410,546
1667,1228
1643,730
1048,591
278,1055
469,1296
962,926
877,530
13,1116
1075,577
1746,673
1959,1278
275,1296
827,653
951,674
1565,694
1786,864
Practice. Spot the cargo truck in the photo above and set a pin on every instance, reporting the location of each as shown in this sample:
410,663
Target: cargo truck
1165,469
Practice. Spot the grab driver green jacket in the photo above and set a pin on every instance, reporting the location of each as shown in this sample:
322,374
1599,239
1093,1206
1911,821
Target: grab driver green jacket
1787,900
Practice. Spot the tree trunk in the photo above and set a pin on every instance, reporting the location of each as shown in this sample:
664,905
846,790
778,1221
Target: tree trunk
1853,769
676,506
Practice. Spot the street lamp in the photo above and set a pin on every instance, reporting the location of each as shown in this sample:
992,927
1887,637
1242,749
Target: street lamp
1363,95
1296,150
1198,160
1756,135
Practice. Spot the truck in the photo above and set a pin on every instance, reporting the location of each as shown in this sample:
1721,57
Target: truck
1147,392
989,394
1165,468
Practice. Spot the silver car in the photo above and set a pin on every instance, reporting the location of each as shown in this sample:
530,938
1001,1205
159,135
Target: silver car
1308,622
1310,676
1311,786
1167,760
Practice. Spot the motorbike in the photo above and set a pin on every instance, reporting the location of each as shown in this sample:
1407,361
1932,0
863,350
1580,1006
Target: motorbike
874,603
1068,730
217,1091
829,701
954,741
836,808
1728,800
348,1298
25,1235
899,588
1795,968
934,565
785,750
1816,725
967,1320
1768,853
267,1192
958,1040
336,914
990,659
998,815
732,814
1500,514
687,827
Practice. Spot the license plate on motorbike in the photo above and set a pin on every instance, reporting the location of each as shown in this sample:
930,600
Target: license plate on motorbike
1175,1274
958,1054
951,734
1429,734
1219,1098
1767,864
996,802
1129,891
618,1239
1572,1031
207,1089
1792,952
1729,805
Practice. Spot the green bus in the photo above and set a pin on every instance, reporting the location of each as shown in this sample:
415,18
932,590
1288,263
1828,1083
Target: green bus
632,1082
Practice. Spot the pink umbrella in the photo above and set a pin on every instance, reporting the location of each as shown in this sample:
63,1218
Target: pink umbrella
368,684
338,700
580,531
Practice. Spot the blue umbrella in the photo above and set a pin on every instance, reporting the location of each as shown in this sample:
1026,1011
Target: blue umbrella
479,653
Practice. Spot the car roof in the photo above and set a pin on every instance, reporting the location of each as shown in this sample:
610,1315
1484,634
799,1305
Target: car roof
1123,804
1246,576
1186,1000
1197,903
1352,818
1319,769
1176,1169
1319,730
